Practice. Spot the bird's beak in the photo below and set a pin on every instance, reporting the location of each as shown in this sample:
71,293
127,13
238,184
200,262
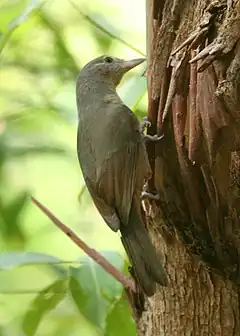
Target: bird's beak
128,65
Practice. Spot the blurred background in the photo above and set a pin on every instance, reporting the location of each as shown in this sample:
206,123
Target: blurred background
43,45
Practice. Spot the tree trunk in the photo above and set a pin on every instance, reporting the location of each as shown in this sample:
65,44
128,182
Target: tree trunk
195,225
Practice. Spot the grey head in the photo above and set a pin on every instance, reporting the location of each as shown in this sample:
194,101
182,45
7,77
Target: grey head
108,68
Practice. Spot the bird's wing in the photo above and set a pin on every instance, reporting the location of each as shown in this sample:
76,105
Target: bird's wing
107,211
111,154
116,176
87,160
117,181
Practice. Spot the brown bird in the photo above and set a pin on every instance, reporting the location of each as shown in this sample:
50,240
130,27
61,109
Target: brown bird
114,162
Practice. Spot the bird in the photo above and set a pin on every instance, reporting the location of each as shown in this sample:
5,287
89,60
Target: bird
114,162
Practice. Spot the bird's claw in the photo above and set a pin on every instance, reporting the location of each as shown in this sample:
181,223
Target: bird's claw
147,137
153,138
148,195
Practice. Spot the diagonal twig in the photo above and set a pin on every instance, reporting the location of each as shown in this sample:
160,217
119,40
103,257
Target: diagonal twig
100,27
96,256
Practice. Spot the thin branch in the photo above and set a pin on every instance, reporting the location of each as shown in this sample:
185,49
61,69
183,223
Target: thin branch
83,189
100,27
97,257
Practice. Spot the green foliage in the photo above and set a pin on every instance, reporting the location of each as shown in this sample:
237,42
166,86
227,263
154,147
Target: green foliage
10,217
45,301
26,8
96,294
137,87
119,320
43,44
93,290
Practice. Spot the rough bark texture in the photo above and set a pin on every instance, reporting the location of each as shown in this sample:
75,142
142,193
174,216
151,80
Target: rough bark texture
194,99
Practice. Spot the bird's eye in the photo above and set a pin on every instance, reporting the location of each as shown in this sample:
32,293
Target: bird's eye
108,59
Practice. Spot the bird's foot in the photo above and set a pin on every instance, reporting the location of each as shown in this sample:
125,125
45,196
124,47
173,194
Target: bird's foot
147,137
154,138
144,125
150,196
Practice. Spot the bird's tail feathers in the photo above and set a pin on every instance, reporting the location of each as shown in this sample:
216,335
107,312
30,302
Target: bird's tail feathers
146,264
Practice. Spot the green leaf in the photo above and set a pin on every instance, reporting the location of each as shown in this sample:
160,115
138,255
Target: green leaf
10,217
32,7
132,91
15,207
16,259
46,301
119,320
93,290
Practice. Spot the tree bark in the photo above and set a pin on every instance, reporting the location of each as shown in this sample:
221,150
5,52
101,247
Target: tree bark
194,99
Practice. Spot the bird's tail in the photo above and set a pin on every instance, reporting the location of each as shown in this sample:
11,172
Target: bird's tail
136,241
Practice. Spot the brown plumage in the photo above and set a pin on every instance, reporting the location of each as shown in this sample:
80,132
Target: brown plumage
114,162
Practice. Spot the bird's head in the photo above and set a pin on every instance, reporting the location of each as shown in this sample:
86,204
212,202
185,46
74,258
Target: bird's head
109,68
